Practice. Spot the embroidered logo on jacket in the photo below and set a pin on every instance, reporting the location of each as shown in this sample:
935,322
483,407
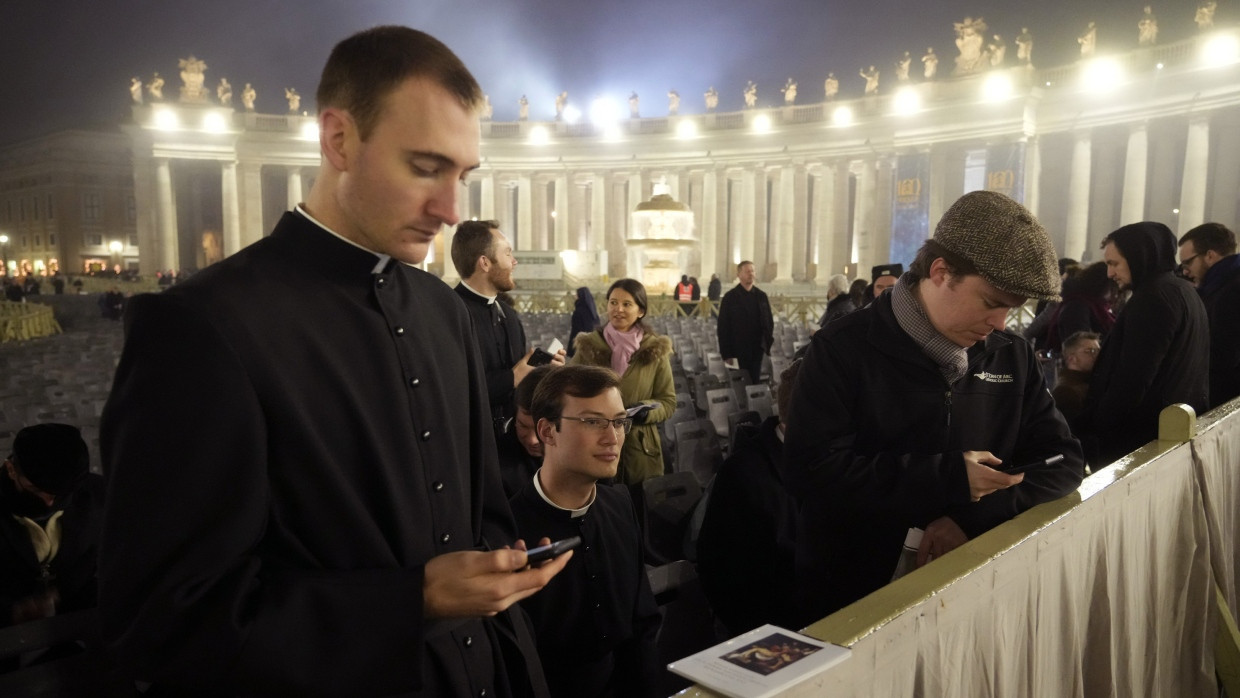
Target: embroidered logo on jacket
993,377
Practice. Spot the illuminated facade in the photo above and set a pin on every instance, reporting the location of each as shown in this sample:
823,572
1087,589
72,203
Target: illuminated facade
802,190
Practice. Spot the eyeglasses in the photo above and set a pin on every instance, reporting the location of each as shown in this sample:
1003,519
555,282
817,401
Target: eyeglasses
623,424
1184,264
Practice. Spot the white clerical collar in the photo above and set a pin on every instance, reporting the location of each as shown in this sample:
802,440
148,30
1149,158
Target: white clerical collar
574,512
383,258
489,299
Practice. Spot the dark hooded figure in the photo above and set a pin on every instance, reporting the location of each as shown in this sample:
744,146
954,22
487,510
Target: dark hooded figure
585,317
1158,353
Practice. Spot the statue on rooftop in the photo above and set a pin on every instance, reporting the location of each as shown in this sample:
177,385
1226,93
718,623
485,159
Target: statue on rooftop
997,51
1147,28
751,95
155,87
223,92
294,100
1024,47
488,110
931,63
831,86
790,92
1088,40
673,102
634,106
561,101
192,79
523,109
902,66
970,34
1205,15
871,80
248,95
712,98
135,90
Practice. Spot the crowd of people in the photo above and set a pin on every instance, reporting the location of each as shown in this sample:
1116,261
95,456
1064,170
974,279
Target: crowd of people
345,498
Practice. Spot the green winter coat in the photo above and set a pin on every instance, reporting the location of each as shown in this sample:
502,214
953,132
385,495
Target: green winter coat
648,379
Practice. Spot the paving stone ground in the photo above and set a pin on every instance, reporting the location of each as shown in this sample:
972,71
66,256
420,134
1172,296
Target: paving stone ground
63,378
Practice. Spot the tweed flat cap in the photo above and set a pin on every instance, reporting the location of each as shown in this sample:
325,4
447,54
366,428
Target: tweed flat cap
1009,247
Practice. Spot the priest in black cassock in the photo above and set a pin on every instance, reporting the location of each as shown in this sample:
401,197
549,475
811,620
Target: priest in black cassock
483,257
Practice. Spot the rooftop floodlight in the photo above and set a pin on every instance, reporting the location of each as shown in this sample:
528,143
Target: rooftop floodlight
167,119
1101,75
1220,50
997,87
214,122
686,129
539,136
116,246
310,131
612,132
604,111
906,101
572,114
762,124
842,116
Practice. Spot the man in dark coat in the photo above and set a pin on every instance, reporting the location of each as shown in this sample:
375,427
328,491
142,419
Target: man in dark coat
50,513
320,511
746,329
1208,258
1158,353
483,257
907,412
714,288
597,621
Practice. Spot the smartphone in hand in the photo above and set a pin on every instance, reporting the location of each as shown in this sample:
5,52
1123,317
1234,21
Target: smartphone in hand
1026,467
550,550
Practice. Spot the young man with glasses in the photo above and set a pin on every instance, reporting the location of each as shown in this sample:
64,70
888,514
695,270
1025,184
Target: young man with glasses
595,622
1208,258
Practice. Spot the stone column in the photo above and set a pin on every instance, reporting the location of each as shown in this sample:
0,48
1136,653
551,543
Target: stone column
563,218
166,216
486,192
884,196
800,223
743,225
1077,227
761,224
709,228
579,216
1033,175
294,187
863,214
539,213
784,224
1225,180
251,202
232,208
525,213
1136,163
820,254
144,204
598,213
1196,173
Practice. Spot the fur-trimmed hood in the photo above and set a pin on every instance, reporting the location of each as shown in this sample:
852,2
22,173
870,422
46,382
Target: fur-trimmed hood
594,349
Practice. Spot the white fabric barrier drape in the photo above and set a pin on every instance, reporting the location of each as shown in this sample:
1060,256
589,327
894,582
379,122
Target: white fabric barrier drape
1216,452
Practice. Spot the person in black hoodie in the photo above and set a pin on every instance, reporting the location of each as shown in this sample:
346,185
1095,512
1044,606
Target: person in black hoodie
1208,258
1158,353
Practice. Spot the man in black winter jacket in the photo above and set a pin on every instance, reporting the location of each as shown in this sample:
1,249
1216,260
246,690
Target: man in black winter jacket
908,411
1158,353
1208,258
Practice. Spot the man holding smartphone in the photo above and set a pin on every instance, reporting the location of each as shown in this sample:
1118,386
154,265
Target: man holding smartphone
907,412
483,257
596,622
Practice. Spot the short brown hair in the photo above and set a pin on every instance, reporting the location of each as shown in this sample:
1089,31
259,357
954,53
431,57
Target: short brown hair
576,381
1079,338
738,266
365,68
1211,236
472,240
524,394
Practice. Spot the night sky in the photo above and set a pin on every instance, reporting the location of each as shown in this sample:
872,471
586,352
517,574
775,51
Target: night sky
69,64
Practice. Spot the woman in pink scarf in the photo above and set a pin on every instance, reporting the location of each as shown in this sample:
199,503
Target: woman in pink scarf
642,359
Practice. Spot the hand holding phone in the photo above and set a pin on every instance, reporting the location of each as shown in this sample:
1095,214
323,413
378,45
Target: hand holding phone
1026,467
550,550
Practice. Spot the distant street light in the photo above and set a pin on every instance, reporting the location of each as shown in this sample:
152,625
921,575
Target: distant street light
117,247
4,255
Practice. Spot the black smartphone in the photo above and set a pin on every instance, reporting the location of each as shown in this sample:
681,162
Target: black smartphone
550,550
1035,464
540,357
